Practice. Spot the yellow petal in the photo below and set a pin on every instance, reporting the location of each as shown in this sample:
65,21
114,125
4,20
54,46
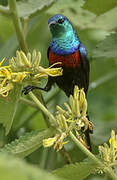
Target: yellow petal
2,62
49,142
55,64
24,59
114,142
5,90
38,59
51,72
54,72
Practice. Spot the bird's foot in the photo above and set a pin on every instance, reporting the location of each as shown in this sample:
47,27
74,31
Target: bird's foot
27,89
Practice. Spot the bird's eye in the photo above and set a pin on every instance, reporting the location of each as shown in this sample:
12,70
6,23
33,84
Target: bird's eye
60,21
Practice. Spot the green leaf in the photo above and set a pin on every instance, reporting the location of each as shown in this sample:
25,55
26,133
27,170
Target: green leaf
32,8
28,143
73,10
8,41
106,21
8,108
5,32
7,50
4,2
77,171
99,6
107,48
82,18
14,168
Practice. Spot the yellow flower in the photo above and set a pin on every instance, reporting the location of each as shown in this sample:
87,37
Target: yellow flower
76,113
2,61
49,142
60,142
19,76
44,72
7,77
24,67
114,143
57,141
109,152
31,64
5,90
73,119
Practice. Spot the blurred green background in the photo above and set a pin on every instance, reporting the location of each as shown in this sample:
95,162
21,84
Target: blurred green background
96,23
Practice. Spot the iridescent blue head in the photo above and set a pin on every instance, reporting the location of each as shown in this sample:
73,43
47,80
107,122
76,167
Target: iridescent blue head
59,25
64,38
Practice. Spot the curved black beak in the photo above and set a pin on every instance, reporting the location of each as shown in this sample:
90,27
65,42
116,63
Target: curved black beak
51,23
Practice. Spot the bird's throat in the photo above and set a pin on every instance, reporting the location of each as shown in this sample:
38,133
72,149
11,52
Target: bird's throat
65,44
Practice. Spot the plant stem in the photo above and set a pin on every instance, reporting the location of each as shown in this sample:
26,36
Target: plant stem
31,103
28,102
107,170
110,173
17,25
84,149
51,120
19,30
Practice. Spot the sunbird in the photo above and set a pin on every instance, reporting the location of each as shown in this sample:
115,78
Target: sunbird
65,47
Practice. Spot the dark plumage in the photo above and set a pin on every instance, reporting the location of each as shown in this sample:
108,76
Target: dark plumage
66,48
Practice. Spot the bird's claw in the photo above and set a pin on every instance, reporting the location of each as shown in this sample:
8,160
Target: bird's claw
27,89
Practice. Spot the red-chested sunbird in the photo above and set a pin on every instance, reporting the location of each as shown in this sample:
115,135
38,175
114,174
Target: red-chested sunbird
66,48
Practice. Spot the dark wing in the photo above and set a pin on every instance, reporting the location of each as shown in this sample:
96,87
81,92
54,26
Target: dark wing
86,70
85,65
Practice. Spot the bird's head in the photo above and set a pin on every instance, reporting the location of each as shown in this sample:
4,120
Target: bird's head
59,25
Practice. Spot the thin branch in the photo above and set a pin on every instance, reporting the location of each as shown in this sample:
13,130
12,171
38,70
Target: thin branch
19,33
32,104
84,149
51,120
28,102
107,170
17,25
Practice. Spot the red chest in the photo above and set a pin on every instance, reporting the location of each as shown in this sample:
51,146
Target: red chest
68,60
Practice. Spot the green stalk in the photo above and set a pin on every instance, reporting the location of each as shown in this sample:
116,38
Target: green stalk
28,102
107,170
51,120
17,25
19,32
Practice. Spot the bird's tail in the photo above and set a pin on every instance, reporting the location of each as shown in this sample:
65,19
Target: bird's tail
87,134
87,137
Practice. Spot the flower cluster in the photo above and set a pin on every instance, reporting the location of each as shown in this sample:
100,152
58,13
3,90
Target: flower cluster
74,119
57,141
108,153
76,113
23,68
